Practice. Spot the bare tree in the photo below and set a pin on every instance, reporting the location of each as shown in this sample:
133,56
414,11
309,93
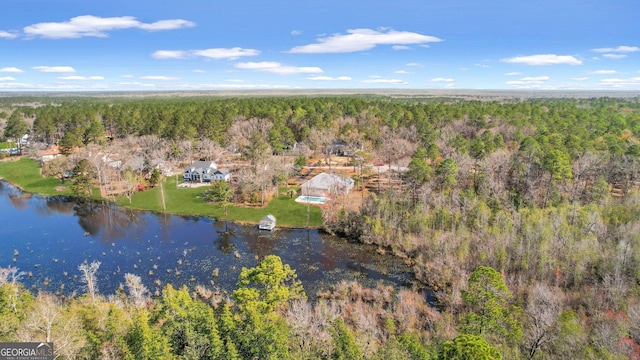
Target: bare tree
89,277
131,183
58,168
11,274
543,308
309,331
137,291
210,150
633,312
49,322
582,168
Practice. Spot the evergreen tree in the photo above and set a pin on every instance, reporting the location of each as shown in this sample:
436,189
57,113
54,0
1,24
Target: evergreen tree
469,347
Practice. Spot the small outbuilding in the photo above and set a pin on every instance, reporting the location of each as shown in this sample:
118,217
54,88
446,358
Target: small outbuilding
267,223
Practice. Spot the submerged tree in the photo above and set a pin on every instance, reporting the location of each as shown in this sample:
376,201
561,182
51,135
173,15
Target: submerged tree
89,277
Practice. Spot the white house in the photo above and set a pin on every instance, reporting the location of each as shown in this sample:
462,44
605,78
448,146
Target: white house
223,174
326,185
200,171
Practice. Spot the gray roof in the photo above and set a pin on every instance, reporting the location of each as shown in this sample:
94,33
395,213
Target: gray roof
327,181
200,166
223,171
268,218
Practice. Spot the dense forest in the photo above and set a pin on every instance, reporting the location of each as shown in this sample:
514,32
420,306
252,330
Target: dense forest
522,215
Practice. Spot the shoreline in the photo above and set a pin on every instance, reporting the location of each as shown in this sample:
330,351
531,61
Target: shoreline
124,205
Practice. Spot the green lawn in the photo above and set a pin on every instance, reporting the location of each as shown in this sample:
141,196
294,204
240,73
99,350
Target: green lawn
26,174
185,201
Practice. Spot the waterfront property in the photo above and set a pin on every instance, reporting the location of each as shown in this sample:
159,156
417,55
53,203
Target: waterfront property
200,171
326,186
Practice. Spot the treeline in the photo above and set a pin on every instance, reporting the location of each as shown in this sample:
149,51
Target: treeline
266,317
574,125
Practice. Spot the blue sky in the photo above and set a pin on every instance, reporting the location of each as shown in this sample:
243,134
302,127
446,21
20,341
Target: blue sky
84,45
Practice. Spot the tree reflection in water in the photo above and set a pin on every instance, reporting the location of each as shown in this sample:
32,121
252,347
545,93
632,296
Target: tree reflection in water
115,222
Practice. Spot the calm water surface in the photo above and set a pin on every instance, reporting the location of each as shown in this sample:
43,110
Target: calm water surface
48,237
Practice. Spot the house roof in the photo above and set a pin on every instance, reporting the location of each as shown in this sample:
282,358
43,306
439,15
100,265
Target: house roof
201,165
268,218
223,171
327,182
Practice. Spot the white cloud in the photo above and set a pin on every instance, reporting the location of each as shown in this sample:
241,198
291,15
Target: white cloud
329,78
222,53
158,77
11,70
363,39
515,73
603,72
580,78
414,64
528,81
167,25
442,80
619,49
296,32
614,56
535,78
277,68
403,72
169,54
55,69
543,60
7,35
76,77
385,81
95,26
199,71
400,47
621,83
7,78
485,66
127,76
216,53
235,80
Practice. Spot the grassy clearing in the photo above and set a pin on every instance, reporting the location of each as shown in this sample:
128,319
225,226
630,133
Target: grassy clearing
188,201
7,145
25,173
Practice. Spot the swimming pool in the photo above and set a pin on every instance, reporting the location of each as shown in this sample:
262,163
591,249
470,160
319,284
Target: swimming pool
311,199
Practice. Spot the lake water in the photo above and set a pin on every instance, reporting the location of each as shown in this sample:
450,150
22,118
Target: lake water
48,237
